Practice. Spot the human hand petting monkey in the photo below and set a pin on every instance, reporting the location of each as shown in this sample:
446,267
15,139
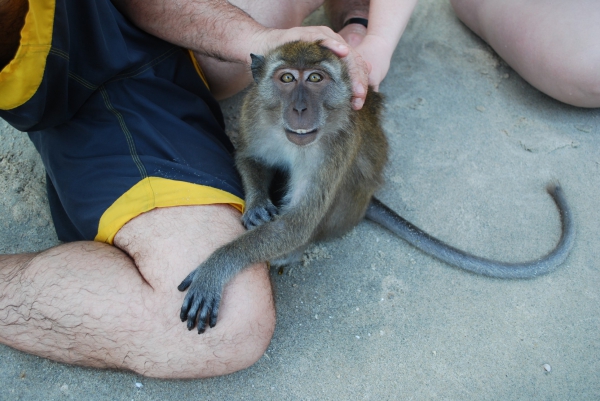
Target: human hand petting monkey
163,19
358,67
373,49
376,44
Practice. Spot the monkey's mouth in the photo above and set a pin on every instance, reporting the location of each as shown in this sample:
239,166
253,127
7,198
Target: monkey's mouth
301,137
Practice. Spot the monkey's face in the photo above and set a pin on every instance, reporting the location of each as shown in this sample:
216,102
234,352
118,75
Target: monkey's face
305,89
302,92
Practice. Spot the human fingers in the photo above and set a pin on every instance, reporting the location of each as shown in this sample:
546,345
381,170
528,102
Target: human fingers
270,38
375,52
358,69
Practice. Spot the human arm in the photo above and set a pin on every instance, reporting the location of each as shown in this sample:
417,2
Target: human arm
220,30
387,22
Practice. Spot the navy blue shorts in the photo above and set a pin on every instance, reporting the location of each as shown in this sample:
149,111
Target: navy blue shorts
123,121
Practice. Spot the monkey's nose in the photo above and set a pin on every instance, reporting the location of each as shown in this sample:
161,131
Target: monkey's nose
300,109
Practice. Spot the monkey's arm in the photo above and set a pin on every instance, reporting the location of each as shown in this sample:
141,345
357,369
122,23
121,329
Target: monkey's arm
256,178
293,228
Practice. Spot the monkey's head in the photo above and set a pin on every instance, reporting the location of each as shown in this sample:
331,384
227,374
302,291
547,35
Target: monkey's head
304,87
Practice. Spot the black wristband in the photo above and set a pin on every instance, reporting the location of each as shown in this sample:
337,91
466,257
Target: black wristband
363,21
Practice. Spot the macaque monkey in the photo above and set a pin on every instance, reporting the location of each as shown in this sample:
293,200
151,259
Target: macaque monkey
297,122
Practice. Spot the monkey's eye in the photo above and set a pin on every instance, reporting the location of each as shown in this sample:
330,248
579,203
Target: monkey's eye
287,78
314,77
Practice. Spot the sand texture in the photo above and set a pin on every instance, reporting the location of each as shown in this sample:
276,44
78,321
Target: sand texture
368,316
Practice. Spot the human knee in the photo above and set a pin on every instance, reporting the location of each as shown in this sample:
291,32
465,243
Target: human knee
564,67
202,356
568,76
468,12
249,313
242,334
578,82
164,257
247,319
247,339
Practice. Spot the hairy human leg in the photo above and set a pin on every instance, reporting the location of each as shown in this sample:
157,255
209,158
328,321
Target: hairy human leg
91,304
551,43
226,79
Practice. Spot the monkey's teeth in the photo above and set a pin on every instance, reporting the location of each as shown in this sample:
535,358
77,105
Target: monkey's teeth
302,131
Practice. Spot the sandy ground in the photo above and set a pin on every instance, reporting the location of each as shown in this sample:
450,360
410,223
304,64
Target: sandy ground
473,147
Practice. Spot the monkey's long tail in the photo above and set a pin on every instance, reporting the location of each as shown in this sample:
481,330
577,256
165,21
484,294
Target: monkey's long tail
383,215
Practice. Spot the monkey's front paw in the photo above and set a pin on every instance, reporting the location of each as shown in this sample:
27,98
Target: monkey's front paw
201,303
259,215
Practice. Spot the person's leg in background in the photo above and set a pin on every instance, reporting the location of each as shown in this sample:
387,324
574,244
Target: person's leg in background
552,44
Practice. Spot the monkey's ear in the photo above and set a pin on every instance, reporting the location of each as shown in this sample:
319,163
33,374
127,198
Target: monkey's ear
257,64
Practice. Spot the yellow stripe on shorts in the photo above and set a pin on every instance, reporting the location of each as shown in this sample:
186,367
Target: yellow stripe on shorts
154,192
198,68
21,78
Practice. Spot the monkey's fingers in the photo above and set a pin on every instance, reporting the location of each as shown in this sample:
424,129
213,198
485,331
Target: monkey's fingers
214,312
272,210
208,311
259,215
252,219
186,282
202,316
193,311
184,308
